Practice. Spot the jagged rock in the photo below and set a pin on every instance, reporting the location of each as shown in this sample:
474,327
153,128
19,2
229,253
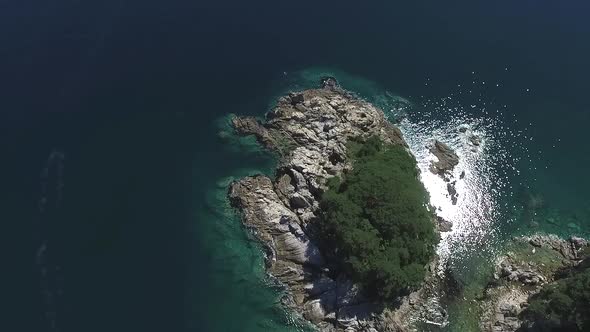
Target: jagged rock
356,315
569,249
452,192
298,201
251,126
444,225
296,98
475,140
284,187
447,158
275,224
578,242
329,82
520,277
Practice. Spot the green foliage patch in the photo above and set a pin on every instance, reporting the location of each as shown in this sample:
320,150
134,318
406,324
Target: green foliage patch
376,222
563,305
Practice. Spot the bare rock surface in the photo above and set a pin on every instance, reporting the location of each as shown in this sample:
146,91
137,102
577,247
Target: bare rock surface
447,158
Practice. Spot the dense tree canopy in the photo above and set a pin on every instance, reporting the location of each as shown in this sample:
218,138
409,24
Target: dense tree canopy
563,305
376,219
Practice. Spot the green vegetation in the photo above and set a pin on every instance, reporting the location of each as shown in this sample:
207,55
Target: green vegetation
563,305
376,220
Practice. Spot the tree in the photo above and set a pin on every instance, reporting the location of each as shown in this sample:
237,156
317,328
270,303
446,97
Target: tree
375,219
563,305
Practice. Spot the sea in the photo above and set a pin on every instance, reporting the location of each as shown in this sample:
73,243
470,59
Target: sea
117,151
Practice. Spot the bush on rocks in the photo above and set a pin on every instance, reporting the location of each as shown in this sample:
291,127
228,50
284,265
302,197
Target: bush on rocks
563,305
376,222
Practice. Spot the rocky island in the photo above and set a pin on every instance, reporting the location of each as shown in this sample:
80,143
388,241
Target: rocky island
311,132
319,136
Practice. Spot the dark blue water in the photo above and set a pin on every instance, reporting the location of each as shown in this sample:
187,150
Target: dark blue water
129,92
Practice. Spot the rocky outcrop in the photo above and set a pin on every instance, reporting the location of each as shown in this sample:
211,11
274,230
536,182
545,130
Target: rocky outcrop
447,158
309,130
521,274
444,225
569,249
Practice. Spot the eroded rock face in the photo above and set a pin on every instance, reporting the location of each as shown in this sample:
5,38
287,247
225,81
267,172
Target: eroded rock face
310,131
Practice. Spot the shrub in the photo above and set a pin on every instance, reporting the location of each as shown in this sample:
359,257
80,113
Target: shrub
563,305
375,219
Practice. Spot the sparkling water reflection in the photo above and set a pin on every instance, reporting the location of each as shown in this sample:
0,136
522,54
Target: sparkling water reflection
481,179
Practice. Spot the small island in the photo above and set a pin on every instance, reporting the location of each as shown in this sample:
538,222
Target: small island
348,231
345,222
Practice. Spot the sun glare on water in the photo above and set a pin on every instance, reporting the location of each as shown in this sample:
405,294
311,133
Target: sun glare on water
481,178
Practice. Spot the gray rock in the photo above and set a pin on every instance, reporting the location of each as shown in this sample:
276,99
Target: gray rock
475,140
347,293
354,315
296,98
250,126
447,158
298,202
569,249
275,225
578,242
452,192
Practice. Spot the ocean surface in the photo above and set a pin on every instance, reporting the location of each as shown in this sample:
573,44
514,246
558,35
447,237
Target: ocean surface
116,153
